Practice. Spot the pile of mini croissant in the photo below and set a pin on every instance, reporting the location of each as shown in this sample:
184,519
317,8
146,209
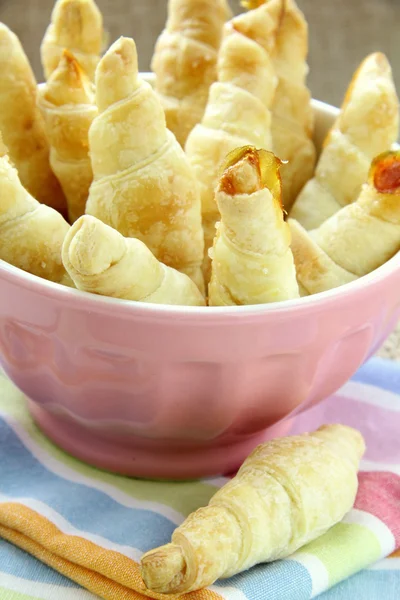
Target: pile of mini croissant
202,185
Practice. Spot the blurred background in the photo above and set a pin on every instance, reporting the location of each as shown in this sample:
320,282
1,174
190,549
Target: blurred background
342,33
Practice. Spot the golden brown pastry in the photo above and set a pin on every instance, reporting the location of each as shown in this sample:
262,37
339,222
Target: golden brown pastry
292,114
76,25
100,260
315,270
367,125
22,125
31,234
251,258
185,60
238,109
287,493
358,238
67,104
143,184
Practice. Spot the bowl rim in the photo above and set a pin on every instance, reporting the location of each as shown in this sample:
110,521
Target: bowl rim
94,301
131,307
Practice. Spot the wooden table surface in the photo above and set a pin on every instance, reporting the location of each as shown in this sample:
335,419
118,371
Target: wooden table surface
342,33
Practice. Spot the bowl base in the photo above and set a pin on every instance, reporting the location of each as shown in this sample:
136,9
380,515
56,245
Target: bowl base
157,460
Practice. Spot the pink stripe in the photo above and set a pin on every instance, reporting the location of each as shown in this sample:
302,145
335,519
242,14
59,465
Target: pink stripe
379,495
379,427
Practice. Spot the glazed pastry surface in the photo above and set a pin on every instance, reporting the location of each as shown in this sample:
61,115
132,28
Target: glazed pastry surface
368,124
357,239
143,184
67,105
252,262
100,260
185,60
288,492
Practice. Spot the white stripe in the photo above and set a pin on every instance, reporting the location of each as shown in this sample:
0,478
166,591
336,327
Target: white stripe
370,394
43,591
228,592
371,465
316,569
60,469
66,527
376,526
217,482
387,564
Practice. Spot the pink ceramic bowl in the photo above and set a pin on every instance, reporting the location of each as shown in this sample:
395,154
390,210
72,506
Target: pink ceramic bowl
173,392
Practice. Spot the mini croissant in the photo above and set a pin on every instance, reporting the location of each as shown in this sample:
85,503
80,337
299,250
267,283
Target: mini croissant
143,184
251,259
22,124
368,124
355,240
185,60
67,104
288,492
238,109
292,114
76,25
100,260
31,234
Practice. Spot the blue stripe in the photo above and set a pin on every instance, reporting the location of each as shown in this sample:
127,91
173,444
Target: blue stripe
281,580
381,373
85,508
15,561
367,585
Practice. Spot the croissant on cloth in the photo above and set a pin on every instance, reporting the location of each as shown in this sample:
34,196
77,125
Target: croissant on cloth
292,113
358,238
185,60
22,124
143,184
251,258
368,124
100,260
67,104
288,492
238,109
31,234
76,25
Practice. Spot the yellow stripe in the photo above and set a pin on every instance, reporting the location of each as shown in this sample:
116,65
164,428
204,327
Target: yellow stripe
106,573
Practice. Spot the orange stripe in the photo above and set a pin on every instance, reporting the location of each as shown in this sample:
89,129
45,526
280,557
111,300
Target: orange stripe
395,554
106,573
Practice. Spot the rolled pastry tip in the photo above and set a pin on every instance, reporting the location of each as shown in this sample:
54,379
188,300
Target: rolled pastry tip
365,234
262,22
251,258
255,74
76,25
69,84
101,261
117,74
67,105
184,60
367,125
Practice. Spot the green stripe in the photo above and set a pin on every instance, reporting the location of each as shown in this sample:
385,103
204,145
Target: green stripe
345,549
184,497
6,594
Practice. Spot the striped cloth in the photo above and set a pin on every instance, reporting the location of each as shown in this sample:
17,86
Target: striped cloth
88,529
